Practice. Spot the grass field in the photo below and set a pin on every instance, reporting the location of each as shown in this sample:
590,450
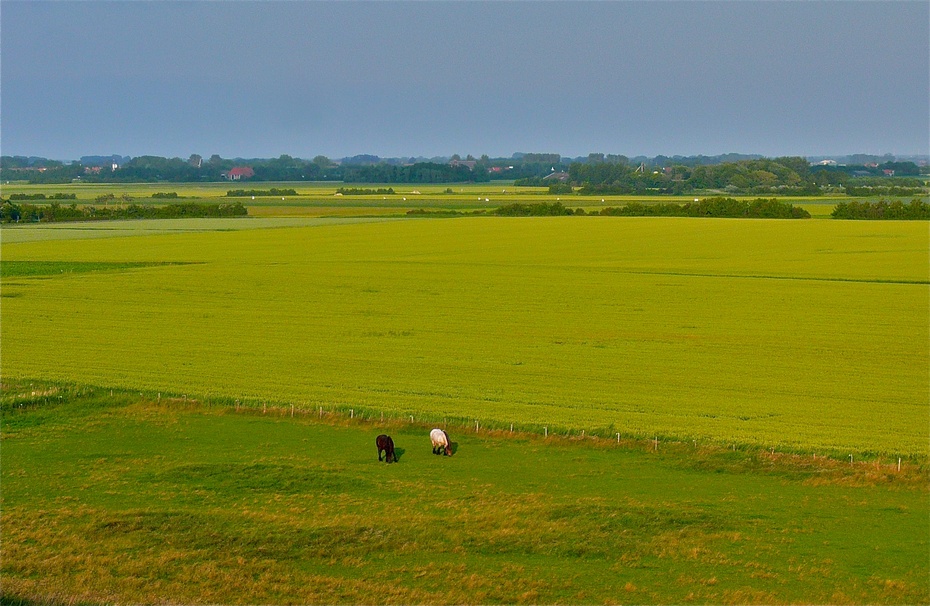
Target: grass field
799,335
320,199
123,499
189,409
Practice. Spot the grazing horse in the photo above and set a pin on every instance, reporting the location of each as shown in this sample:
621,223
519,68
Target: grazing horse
386,444
441,442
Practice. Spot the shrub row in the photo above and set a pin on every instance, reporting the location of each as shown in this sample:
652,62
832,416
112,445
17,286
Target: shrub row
893,190
43,197
916,209
357,191
421,212
274,191
710,207
10,212
540,209
760,208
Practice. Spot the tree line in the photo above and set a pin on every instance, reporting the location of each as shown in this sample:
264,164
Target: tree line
421,172
150,169
789,175
597,174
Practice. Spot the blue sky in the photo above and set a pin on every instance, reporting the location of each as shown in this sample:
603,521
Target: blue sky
261,79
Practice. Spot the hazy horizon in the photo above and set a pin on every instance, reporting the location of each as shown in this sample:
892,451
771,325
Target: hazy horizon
402,79
446,157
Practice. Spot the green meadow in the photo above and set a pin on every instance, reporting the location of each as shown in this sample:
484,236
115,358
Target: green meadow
643,410
807,336
111,497
316,199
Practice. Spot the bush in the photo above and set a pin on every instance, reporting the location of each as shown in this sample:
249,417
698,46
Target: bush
560,188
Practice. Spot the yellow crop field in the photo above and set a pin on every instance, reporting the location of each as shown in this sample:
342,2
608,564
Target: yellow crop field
809,335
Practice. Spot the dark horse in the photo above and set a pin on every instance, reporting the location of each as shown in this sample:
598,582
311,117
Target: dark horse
386,444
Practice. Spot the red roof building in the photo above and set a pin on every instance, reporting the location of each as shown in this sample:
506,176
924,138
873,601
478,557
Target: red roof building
240,172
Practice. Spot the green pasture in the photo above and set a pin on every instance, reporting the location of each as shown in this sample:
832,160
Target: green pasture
124,499
808,336
321,199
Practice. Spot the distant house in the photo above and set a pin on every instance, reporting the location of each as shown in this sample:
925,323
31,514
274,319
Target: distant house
556,176
888,172
239,172
469,163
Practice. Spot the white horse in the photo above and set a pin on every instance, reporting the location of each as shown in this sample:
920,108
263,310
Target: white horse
441,442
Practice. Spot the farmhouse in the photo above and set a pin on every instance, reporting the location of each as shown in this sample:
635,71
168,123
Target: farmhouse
239,172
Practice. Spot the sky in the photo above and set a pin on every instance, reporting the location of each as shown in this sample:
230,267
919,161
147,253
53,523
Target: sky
429,78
